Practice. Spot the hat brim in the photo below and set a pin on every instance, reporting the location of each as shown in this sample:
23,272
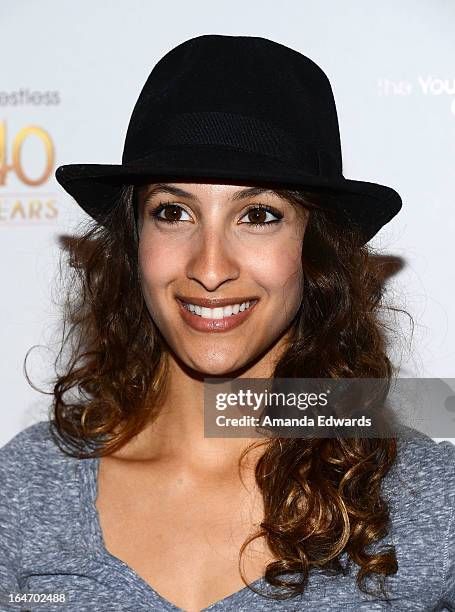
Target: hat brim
95,187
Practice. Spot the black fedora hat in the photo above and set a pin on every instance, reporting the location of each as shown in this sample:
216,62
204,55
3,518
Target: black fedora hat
239,108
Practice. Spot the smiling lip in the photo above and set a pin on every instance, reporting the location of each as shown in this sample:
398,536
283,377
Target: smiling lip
214,325
215,302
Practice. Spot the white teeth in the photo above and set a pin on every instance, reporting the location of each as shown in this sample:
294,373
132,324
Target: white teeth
217,313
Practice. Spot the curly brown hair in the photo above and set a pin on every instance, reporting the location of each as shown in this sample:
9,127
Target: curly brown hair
322,497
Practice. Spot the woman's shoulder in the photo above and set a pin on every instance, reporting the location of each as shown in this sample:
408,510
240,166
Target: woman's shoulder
420,490
424,460
31,456
32,441
33,471
39,493
424,470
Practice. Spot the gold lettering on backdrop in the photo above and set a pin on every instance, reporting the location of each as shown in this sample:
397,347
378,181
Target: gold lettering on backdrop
33,209
17,165
50,205
20,207
17,210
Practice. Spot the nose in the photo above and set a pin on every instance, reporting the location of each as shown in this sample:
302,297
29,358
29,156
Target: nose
213,260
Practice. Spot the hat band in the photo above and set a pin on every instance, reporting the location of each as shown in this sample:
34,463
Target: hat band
234,131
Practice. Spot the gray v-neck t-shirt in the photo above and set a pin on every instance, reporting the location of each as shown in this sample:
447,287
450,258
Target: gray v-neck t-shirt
51,543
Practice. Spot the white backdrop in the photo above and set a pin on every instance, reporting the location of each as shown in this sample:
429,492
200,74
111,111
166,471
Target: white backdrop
72,71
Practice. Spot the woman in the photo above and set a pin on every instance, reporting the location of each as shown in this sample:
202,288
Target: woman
231,195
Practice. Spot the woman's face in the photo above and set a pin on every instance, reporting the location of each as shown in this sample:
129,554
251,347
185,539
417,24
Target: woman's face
215,251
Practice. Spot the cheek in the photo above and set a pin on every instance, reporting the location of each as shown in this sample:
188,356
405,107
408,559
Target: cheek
281,269
157,264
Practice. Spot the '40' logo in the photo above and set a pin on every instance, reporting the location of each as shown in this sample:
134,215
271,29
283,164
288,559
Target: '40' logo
16,164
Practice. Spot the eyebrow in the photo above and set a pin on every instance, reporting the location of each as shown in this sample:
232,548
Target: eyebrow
177,191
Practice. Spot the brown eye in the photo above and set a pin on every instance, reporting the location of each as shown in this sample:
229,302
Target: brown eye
257,215
172,213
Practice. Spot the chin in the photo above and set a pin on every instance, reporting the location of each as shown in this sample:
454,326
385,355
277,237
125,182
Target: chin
218,369
219,359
